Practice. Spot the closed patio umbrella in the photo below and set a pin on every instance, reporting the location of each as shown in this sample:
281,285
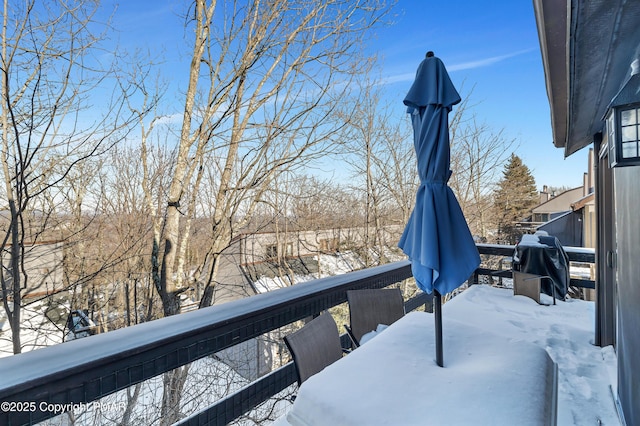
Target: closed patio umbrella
436,239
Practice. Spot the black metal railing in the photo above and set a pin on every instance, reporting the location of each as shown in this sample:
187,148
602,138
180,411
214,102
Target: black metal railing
575,254
88,369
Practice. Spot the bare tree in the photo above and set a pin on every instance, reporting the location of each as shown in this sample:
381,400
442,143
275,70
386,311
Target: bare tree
259,100
382,158
478,154
48,70
366,138
264,78
397,174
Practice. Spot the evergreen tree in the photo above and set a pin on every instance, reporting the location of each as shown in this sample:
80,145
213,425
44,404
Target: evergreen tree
513,200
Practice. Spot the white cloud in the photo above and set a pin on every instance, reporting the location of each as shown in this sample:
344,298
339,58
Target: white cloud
399,78
170,119
485,62
457,67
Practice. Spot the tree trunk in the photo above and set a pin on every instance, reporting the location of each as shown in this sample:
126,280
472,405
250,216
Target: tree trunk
173,385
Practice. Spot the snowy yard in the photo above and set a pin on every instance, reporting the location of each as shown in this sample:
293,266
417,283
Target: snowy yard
38,330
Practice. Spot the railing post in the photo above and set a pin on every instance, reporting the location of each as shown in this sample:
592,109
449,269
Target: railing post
473,279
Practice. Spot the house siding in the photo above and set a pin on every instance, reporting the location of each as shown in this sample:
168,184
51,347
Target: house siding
627,205
43,265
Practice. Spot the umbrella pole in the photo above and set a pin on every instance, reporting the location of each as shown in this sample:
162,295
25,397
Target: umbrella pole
437,310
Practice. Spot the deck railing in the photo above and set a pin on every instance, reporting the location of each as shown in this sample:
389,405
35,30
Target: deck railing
34,384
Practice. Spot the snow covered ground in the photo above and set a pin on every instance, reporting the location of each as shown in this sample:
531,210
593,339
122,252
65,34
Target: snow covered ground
38,329
329,265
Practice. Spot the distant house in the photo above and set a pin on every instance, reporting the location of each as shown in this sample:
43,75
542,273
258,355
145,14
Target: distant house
269,254
251,256
586,206
569,216
43,265
555,208
565,224
553,205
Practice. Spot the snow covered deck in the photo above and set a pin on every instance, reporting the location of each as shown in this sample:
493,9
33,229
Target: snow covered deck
586,372
393,379
510,331
122,358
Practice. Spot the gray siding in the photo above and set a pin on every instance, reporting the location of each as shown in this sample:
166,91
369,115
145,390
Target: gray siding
567,228
43,264
627,206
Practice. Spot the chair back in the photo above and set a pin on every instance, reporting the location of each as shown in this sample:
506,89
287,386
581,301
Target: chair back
315,346
525,284
370,307
529,285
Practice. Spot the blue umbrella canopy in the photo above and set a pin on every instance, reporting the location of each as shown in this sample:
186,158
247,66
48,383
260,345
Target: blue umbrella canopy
437,239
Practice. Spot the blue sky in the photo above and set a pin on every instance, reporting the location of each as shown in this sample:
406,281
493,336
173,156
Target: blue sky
493,47
490,46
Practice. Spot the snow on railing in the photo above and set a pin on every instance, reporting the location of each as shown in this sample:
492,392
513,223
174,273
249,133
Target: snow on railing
86,370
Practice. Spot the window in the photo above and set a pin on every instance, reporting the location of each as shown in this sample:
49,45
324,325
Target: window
329,244
629,132
541,217
623,135
611,138
271,251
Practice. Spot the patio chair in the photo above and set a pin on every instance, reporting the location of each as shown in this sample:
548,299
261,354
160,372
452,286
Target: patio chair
529,285
315,346
370,307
